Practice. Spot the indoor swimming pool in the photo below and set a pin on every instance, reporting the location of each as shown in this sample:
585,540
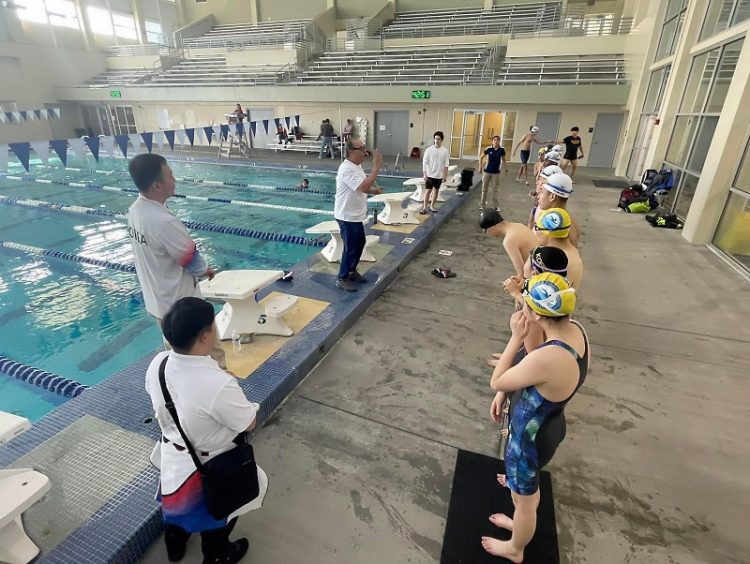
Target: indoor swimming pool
85,322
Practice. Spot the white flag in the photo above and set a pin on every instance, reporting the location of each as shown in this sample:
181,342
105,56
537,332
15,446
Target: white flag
30,115
180,135
41,148
135,141
17,117
3,119
107,145
56,111
3,157
200,137
217,131
159,139
77,145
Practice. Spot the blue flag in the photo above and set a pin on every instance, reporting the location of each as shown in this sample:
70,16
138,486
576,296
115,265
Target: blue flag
21,150
93,144
296,119
60,147
23,115
209,131
253,126
288,121
148,139
190,135
277,121
122,142
265,125
38,114
51,115
224,131
170,138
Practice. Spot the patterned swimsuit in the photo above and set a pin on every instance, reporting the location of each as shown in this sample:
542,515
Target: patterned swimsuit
524,457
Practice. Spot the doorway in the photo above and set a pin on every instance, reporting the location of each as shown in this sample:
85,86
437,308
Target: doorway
549,125
637,163
604,142
473,130
392,132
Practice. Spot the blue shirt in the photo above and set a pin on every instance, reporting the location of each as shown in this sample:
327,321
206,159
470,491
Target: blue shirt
494,159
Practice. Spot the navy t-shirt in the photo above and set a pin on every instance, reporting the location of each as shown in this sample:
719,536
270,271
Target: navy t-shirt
494,158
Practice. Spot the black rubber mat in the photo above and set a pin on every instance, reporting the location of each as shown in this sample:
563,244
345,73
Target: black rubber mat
477,495
611,184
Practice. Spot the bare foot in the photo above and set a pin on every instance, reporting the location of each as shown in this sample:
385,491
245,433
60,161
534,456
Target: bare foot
502,481
501,520
502,548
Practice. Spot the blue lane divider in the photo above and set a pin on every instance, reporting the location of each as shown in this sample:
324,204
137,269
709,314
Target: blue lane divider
198,226
67,256
229,184
103,188
41,378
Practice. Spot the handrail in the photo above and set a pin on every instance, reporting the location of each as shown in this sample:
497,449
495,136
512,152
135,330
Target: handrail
140,50
583,28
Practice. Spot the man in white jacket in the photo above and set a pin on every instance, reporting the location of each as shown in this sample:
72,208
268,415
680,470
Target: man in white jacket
435,170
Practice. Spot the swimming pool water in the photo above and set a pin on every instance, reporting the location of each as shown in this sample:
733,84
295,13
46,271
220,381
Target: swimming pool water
85,322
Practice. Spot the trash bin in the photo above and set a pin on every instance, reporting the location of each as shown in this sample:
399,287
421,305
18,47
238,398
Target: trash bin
467,179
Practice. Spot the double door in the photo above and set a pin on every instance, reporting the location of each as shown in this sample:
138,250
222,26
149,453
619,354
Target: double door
473,130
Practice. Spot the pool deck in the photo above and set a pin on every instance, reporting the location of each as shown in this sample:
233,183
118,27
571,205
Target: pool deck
95,447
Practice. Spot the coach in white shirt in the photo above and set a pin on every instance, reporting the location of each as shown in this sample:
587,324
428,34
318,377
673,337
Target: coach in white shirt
350,209
167,261
435,170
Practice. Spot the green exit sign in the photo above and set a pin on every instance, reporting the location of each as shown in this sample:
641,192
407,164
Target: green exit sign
420,94
118,94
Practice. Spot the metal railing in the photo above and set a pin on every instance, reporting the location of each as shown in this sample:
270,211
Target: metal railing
504,27
141,50
582,28
237,43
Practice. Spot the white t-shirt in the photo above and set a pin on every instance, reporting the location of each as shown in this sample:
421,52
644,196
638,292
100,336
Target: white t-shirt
435,161
162,247
210,405
351,204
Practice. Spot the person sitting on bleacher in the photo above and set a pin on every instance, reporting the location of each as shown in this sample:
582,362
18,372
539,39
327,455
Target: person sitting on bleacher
282,134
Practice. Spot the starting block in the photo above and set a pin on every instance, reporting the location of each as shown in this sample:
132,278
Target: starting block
241,311
334,249
418,194
391,216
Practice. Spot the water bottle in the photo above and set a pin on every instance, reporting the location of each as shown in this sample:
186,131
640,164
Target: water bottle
236,343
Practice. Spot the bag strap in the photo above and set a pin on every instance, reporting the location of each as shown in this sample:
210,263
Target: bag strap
169,404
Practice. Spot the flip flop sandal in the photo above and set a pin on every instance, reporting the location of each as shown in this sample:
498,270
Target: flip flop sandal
287,277
443,273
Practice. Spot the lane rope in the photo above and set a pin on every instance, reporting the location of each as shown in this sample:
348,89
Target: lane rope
28,249
41,378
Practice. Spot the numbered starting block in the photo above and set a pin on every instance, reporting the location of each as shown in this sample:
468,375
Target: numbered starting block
418,194
454,178
395,215
334,249
242,312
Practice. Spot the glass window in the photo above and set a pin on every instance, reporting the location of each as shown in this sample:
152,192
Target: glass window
99,21
723,76
657,83
682,138
31,11
742,181
702,143
124,25
699,81
741,12
723,14
62,13
666,39
685,195
153,32
733,232
674,8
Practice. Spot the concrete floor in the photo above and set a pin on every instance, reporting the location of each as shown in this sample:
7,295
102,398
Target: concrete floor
654,466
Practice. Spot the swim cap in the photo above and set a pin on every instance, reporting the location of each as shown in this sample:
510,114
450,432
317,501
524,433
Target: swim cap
542,151
554,222
553,156
549,259
549,170
559,184
489,218
549,295
534,129
557,148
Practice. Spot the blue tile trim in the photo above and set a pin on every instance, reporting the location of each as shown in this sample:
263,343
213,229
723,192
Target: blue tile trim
125,526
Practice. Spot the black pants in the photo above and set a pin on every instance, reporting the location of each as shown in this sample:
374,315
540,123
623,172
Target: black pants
353,234
213,543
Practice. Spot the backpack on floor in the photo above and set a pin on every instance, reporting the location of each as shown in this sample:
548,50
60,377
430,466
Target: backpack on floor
641,204
629,194
664,220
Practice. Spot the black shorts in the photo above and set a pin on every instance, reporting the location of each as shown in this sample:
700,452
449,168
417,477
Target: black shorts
525,156
433,183
571,157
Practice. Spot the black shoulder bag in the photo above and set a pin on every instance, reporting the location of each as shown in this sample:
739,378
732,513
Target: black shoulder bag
230,480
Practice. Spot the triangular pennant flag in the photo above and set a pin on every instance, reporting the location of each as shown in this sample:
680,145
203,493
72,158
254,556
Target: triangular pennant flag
9,117
296,119
190,134
122,142
209,133
265,125
22,152
288,120
169,134
50,113
180,136
60,147
38,114
3,118
93,145
159,138
41,148
277,121
224,131
77,145
23,115
200,137
17,116
135,141
3,157
30,115
108,145
56,111
241,129
148,139
253,126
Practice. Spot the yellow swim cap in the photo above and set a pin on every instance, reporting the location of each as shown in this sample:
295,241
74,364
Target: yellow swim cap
554,222
549,295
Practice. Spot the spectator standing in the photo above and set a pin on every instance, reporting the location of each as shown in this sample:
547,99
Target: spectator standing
348,130
435,170
326,138
167,260
495,156
350,209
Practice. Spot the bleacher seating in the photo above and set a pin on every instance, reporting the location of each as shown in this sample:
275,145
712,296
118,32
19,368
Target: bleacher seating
563,69
119,77
435,64
213,70
475,20
245,34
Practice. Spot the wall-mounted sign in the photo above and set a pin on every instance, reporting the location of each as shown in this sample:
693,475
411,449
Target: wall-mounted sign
420,94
